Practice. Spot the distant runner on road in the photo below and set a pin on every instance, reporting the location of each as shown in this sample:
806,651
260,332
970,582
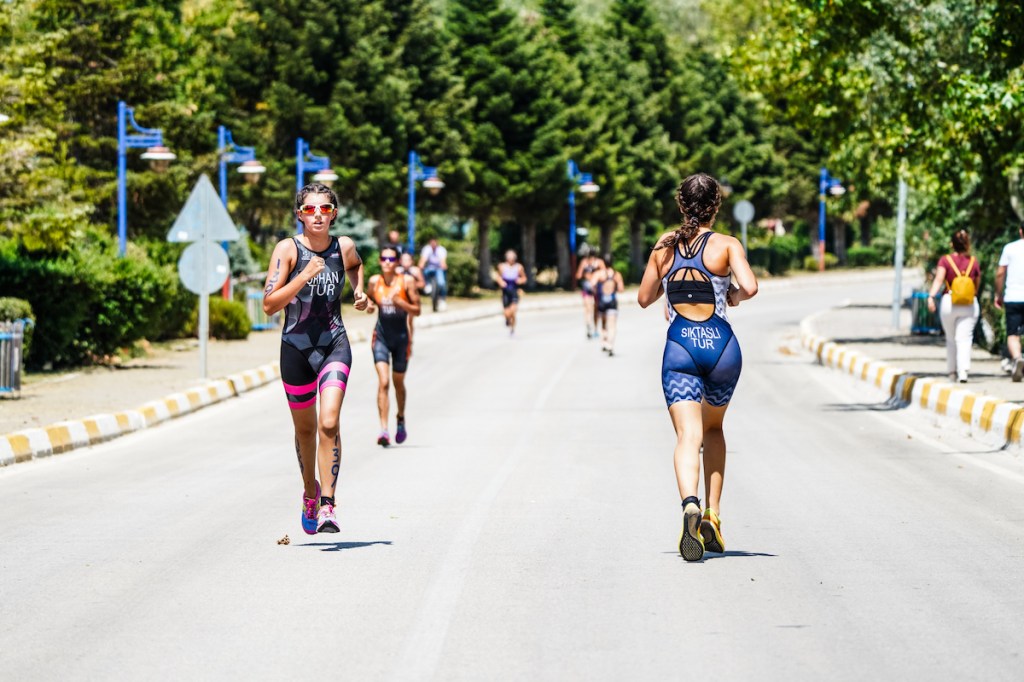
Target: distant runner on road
306,278
702,359
509,277
589,264
406,266
608,285
397,301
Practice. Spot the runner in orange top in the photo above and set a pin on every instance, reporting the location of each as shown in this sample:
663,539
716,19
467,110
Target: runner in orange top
396,297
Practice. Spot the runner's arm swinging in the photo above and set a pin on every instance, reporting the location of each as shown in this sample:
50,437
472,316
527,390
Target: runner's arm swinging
355,272
412,306
277,292
657,267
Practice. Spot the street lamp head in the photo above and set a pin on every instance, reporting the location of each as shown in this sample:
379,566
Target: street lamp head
159,157
327,176
589,188
433,184
252,170
837,190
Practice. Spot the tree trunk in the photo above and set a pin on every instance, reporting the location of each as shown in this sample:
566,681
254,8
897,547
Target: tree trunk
839,240
530,254
380,229
636,252
565,273
483,253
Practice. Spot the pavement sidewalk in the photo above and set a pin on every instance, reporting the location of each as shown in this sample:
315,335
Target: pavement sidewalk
910,370
48,419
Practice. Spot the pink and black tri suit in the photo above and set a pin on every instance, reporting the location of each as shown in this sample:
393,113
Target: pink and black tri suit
315,350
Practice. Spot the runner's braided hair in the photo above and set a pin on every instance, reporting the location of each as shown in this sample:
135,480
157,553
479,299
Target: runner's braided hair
698,198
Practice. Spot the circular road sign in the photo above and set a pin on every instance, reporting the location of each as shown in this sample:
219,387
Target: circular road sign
743,211
190,267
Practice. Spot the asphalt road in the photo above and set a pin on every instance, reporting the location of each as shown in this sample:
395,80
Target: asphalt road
527,530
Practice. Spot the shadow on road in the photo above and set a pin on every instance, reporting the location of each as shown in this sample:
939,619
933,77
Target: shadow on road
862,407
735,553
338,546
726,554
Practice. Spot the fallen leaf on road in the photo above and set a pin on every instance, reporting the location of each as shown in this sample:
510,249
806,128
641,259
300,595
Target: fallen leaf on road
284,541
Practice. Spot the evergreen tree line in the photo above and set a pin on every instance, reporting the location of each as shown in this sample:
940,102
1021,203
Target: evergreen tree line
498,98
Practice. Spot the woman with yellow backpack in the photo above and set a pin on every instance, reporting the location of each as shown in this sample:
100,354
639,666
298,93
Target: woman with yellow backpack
960,272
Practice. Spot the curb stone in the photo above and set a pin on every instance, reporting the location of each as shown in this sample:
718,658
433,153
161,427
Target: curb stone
980,416
37,443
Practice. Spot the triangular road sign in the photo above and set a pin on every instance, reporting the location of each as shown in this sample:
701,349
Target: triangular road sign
203,217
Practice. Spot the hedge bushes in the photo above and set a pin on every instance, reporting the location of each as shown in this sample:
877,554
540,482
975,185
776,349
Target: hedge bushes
858,256
228,320
811,262
779,255
462,272
90,303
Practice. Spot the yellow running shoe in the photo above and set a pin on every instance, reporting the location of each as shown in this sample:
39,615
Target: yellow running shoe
691,544
711,531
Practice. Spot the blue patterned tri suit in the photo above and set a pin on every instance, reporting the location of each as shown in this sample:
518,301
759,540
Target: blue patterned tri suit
702,357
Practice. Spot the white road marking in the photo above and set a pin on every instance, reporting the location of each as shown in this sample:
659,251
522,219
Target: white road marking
425,640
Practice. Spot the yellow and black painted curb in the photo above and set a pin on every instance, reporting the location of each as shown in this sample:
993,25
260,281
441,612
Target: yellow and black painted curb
61,437
982,415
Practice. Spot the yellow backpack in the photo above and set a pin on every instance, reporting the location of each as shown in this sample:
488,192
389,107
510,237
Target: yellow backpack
961,289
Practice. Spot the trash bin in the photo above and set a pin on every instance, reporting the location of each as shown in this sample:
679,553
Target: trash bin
922,320
12,335
259,319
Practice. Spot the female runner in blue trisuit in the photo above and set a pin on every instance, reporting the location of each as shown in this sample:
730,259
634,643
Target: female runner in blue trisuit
702,359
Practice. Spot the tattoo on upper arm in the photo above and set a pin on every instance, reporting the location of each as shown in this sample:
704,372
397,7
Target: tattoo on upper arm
273,279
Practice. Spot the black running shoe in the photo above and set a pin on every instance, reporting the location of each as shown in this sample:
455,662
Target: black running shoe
691,544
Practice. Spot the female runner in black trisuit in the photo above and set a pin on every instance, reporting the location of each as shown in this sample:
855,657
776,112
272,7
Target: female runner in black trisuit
307,277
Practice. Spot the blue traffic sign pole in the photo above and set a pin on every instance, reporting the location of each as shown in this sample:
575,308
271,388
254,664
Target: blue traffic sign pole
143,137
826,185
230,152
576,178
417,172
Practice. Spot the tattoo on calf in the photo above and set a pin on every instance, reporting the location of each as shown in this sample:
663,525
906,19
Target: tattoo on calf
336,455
298,455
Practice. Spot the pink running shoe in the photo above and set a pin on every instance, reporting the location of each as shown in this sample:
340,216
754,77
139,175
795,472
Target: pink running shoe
325,521
384,440
310,507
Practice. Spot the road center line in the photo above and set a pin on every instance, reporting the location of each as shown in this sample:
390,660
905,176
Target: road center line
425,641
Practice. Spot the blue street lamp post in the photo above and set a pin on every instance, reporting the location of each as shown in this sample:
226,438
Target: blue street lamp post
432,183
588,187
152,139
305,162
826,185
249,166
